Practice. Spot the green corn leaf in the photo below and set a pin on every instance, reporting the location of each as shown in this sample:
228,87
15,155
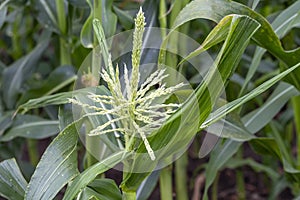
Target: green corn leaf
223,111
15,74
88,193
106,187
264,37
217,35
148,186
261,116
102,40
125,19
279,186
47,14
5,122
283,23
102,189
4,3
257,167
56,168
65,116
254,4
12,182
287,19
3,12
58,79
30,126
231,128
276,147
109,19
82,180
226,151
55,99
218,157
270,146
86,36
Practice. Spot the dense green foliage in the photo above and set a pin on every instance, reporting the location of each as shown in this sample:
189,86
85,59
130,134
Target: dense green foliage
255,47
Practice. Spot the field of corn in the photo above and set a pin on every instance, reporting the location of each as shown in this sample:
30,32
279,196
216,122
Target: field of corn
149,99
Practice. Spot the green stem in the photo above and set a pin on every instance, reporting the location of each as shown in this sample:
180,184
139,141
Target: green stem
173,46
95,68
165,183
65,57
33,151
131,195
97,13
171,58
296,106
284,150
163,18
61,16
65,54
181,178
240,178
214,189
172,61
98,9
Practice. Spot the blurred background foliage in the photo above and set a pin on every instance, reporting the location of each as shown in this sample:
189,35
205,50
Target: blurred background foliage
44,42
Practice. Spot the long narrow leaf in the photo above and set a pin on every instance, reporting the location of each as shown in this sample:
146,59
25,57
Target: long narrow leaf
221,112
225,152
55,99
264,37
283,23
12,182
92,172
58,79
35,130
14,75
56,168
261,116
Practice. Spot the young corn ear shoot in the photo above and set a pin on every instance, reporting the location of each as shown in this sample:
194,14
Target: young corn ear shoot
134,111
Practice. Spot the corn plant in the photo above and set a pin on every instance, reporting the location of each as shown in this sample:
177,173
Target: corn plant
143,130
